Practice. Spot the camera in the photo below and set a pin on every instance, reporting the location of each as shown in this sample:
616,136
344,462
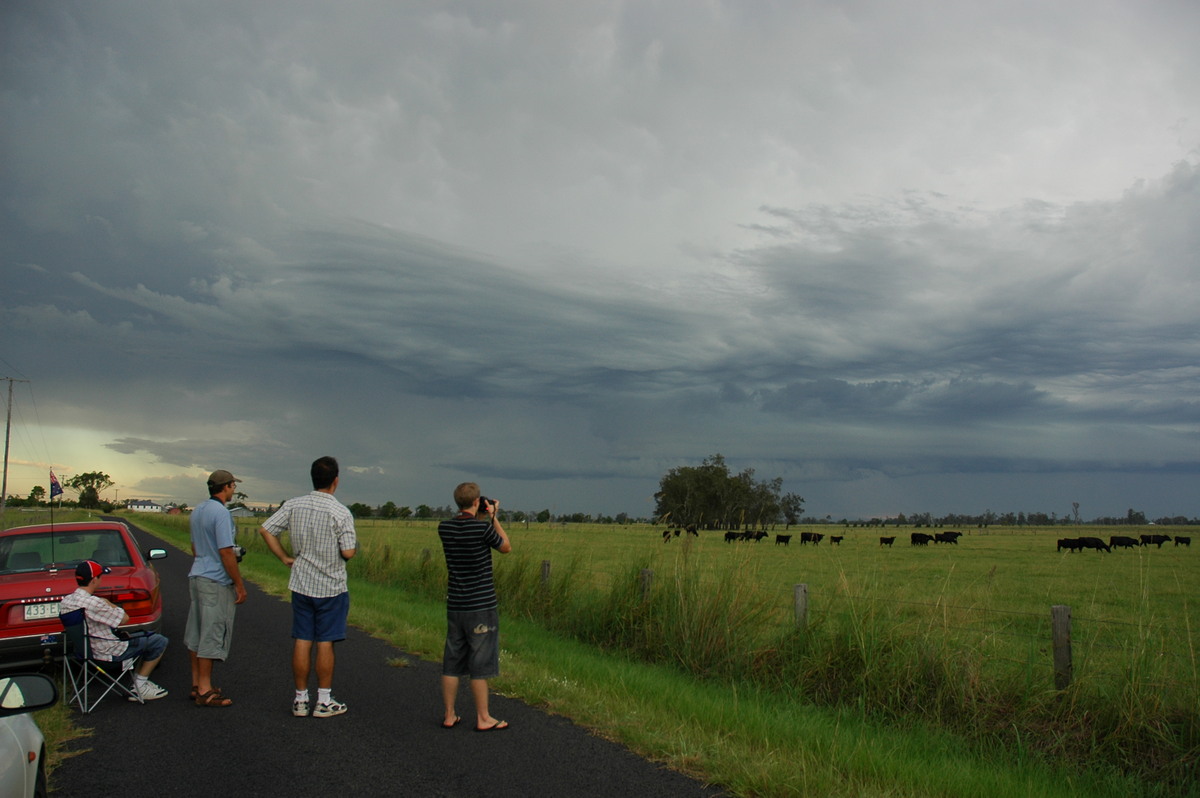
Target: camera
485,504
238,552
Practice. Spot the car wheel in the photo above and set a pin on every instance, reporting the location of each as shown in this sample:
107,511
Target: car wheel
39,788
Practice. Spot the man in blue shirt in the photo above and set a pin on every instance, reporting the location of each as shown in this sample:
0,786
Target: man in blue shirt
215,583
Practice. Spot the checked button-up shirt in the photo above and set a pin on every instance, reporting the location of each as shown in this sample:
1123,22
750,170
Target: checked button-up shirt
320,528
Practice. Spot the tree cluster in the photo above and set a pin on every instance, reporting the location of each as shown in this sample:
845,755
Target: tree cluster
709,496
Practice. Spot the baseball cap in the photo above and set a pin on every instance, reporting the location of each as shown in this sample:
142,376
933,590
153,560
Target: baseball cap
88,570
221,477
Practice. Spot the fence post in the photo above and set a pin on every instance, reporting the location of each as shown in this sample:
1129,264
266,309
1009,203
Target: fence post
647,580
545,572
800,599
1060,629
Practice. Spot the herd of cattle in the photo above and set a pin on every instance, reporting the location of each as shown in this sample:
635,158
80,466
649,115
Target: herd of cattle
1119,542
924,539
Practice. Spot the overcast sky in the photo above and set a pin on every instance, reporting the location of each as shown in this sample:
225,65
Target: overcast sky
910,256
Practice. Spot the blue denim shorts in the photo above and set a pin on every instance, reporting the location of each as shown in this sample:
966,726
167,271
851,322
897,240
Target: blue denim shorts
472,644
149,647
321,620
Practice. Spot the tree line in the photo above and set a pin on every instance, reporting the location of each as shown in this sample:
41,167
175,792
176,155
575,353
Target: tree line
707,496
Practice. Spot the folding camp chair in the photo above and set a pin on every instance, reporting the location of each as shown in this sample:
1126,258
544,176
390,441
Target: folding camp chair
90,679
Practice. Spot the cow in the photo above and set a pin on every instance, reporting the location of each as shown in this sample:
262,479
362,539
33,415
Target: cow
811,537
1123,542
836,539
1094,543
921,539
947,537
887,541
1180,539
756,536
1071,544
732,536
666,536
1157,540
784,539
691,530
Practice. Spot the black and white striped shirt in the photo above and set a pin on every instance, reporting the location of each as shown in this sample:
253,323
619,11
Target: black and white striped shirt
468,543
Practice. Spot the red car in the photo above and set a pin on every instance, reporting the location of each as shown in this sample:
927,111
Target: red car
37,568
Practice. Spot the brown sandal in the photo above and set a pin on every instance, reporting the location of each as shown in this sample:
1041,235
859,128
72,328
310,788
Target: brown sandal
213,698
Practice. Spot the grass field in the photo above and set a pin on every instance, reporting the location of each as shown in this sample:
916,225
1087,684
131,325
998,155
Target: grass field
920,670
955,637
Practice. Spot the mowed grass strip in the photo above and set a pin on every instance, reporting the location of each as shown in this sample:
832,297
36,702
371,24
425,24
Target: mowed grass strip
777,739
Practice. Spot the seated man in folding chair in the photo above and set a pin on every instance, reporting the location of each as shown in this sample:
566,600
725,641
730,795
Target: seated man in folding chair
102,618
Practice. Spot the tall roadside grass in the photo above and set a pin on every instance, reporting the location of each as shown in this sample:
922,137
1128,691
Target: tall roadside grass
875,663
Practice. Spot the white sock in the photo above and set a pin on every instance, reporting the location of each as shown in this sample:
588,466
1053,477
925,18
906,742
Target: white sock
139,679
302,695
324,695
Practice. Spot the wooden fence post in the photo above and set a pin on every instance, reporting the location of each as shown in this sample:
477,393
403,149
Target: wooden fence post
647,581
800,599
545,572
1060,629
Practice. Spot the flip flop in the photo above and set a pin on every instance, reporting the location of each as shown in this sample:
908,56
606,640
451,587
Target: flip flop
499,725
457,720
213,698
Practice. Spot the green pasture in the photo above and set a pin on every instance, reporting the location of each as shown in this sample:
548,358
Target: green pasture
917,671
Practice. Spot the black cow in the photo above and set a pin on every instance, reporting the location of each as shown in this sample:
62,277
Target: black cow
1094,543
947,537
784,539
756,536
732,536
921,539
887,541
666,535
1157,540
691,530
1180,539
836,539
811,537
1072,544
1122,542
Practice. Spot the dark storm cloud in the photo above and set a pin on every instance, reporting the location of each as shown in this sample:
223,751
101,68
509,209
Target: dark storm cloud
570,246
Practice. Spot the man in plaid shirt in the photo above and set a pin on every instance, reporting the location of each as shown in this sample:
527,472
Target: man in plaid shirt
102,617
322,540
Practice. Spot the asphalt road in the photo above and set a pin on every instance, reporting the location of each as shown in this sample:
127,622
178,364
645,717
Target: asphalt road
389,743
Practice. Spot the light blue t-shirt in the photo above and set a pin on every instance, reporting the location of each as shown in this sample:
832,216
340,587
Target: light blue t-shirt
212,530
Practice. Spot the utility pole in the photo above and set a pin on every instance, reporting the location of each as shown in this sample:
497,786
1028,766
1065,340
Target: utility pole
7,433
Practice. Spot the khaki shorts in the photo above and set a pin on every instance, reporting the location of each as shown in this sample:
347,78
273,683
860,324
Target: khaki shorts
209,628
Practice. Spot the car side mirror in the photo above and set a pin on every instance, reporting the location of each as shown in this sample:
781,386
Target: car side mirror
26,692
156,554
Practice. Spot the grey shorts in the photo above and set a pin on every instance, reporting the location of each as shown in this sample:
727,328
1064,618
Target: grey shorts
209,628
472,644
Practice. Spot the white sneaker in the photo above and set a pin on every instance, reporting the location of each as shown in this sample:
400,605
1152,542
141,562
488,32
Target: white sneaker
327,709
149,691
300,709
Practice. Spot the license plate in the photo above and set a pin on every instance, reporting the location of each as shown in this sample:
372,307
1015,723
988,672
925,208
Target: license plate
37,612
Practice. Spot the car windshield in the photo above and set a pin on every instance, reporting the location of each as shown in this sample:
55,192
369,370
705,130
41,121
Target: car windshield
34,552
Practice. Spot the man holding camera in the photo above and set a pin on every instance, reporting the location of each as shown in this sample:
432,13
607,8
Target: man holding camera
216,586
472,618
322,539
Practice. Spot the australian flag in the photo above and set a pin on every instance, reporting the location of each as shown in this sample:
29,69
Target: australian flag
55,488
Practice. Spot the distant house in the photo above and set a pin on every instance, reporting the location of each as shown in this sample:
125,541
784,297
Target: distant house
143,506
241,512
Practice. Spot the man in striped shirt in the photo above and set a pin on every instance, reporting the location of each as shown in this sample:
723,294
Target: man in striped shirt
321,532
472,618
